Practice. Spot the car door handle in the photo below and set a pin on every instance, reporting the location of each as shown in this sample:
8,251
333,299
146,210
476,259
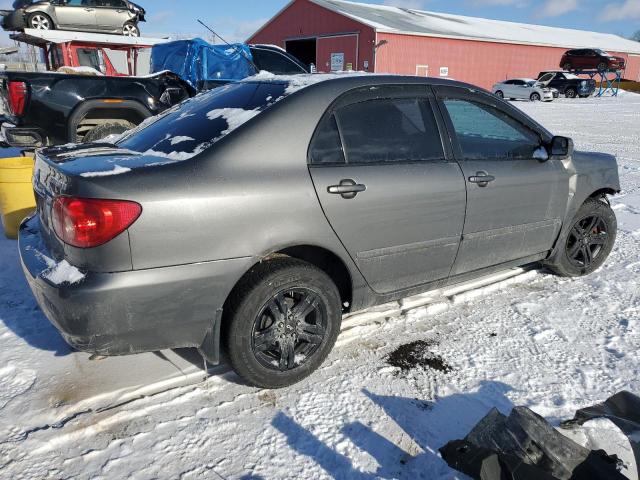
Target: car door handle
347,188
482,179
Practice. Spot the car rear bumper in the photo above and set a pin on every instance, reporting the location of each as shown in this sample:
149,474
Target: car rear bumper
129,312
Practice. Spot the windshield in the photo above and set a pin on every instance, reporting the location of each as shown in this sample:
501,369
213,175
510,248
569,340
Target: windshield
602,52
193,126
531,83
571,76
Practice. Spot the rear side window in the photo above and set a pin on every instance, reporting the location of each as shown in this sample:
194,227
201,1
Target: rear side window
194,125
485,132
275,62
389,130
326,148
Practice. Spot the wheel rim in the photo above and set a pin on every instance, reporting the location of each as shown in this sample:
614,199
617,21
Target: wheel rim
535,97
587,240
567,66
130,31
40,22
571,93
500,94
289,329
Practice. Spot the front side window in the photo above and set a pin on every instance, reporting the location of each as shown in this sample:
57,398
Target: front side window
486,133
389,130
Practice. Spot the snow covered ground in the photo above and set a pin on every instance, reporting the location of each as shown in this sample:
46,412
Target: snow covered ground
521,337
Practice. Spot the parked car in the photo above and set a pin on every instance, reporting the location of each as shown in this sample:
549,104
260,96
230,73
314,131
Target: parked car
103,16
253,216
88,108
591,59
568,84
523,89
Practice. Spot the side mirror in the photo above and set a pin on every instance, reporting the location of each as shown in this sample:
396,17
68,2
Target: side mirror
561,148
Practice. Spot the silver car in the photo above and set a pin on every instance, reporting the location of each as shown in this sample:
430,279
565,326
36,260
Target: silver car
523,89
252,217
102,16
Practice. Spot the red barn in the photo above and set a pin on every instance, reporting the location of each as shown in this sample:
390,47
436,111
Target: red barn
340,35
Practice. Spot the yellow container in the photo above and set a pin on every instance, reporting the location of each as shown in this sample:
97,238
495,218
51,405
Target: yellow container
16,193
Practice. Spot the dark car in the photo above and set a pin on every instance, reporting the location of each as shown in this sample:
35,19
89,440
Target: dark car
591,59
101,16
568,84
255,215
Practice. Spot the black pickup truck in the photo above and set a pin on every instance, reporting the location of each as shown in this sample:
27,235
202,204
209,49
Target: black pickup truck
568,84
47,108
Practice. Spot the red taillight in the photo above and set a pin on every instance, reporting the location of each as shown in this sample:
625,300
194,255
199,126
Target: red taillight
17,97
88,222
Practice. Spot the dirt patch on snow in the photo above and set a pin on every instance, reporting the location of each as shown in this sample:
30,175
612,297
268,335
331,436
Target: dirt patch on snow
417,355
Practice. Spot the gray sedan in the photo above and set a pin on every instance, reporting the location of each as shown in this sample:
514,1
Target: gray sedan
523,89
254,216
102,16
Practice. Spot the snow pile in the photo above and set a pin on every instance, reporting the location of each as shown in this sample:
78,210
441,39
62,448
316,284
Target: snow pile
88,71
235,117
117,170
179,139
63,272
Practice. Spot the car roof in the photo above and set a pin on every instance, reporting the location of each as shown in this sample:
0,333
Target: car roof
354,80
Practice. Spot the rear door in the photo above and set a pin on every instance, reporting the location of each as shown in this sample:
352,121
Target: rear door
111,14
77,14
515,202
392,195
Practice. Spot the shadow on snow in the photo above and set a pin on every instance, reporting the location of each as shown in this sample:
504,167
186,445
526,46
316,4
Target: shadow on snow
428,426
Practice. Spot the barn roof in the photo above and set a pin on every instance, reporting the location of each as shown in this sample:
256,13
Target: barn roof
417,22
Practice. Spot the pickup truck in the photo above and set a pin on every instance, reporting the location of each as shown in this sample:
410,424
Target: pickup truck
568,84
48,109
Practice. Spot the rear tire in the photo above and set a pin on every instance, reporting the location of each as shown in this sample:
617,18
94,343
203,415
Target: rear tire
603,67
40,21
567,67
589,241
268,344
103,131
571,93
130,29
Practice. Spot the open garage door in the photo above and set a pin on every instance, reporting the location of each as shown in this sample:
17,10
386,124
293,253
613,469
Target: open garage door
338,52
303,49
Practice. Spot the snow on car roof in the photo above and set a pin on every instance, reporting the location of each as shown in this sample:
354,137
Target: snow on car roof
417,22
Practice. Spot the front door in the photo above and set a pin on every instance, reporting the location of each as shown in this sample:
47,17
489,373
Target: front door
515,199
77,14
389,192
111,14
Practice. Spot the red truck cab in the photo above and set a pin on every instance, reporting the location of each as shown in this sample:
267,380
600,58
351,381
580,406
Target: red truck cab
79,49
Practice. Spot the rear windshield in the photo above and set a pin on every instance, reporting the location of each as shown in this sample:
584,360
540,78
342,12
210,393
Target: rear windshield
190,128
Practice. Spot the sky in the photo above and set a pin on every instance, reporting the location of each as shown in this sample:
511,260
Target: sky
237,20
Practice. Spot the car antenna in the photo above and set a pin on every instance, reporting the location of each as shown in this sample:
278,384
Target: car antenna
255,67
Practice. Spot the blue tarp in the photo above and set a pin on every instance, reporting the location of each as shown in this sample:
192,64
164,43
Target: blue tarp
197,61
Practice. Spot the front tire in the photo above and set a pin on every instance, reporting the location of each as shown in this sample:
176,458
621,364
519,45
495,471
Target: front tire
499,94
40,21
130,29
571,93
281,322
535,97
589,241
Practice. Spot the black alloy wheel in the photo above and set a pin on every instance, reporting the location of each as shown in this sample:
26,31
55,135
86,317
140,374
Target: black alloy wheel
289,329
280,322
499,94
587,239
